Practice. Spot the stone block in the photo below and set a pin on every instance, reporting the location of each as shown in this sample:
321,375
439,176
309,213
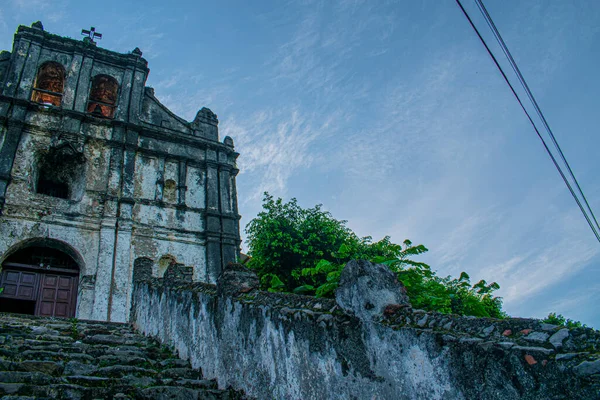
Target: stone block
366,289
236,279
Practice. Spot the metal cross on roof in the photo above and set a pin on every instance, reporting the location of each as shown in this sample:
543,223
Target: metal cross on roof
91,34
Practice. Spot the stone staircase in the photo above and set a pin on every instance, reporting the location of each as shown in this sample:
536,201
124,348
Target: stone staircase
50,358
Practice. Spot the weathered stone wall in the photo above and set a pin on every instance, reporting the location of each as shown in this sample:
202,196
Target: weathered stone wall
296,347
149,184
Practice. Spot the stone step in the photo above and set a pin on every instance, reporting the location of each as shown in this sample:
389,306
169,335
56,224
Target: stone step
118,371
36,378
197,383
87,381
100,391
44,358
174,363
125,359
68,391
79,368
182,393
46,367
116,340
41,355
180,373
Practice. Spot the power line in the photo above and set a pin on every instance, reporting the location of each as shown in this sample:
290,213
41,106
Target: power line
517,71
531,121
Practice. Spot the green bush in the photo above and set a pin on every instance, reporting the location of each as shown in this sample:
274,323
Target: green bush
304,251
555,319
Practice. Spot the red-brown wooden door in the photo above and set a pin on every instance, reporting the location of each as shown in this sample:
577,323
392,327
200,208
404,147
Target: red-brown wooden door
20,285
57,295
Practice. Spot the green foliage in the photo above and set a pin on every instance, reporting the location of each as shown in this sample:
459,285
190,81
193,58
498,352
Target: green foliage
305,250
555,319
451,295
285,238
74,330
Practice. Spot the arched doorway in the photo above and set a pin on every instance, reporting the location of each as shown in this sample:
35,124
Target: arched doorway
39,279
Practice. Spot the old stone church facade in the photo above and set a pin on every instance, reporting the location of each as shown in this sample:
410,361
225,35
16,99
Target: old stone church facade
100,183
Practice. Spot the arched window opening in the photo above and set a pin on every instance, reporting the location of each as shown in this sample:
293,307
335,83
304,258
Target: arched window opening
103,96
43,257
59,170
49,84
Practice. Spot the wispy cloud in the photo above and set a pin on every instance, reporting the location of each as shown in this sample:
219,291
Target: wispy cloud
573,302
54,11
185,101
3,23
275,145
568,248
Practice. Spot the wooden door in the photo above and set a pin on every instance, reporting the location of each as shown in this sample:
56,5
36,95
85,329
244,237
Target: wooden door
19,285
57,295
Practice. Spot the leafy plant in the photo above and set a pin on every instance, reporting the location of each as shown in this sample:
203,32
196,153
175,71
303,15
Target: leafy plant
74,330
558,319
285,238
305,250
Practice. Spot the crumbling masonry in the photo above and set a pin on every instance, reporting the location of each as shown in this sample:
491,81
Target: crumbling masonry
101,184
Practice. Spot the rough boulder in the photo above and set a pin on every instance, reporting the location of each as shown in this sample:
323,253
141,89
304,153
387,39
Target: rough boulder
237,279
369,290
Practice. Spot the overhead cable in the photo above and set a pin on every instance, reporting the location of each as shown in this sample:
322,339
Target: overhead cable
517,71
584,212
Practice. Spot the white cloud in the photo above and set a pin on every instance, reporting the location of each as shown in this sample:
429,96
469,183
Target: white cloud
52,11
572,302
275,145
560,254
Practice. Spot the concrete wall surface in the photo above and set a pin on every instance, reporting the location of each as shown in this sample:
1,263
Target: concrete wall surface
280,346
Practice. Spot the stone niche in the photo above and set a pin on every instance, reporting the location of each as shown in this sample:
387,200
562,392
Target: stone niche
61,172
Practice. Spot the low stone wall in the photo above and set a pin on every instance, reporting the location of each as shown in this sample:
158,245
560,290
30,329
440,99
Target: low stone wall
368,344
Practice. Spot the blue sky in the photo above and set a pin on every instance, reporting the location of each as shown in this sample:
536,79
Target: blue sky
392,115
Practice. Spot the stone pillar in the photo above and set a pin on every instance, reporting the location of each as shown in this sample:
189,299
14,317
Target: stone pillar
106,256
235,212
108,235
213,257
114,273
127,186
137,96
85,296
13,75
212,187
182,184
83,83
29,72
123,270
229,222
122,111
213,223
73,72
224,193
12,137
160,179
